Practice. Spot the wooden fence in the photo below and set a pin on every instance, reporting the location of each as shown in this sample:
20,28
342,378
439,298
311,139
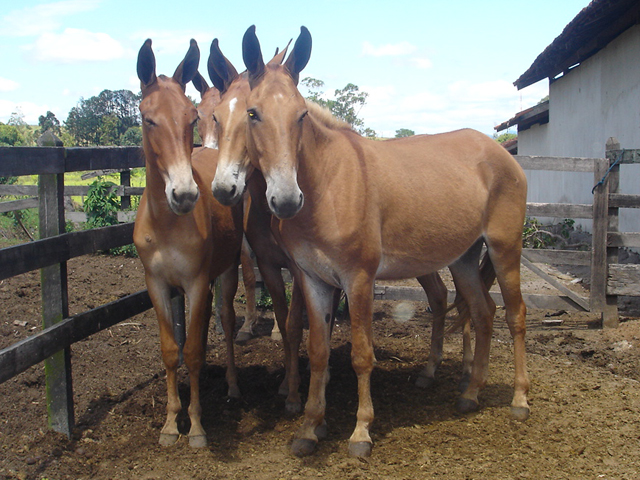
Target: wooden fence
55,248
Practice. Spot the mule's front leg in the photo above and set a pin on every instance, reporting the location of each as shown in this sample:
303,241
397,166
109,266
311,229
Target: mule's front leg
319,300
200,299
161,300
360,297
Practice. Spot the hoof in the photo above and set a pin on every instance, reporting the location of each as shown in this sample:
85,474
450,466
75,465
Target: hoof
276,336
198,441
301,447
234,392
322,431
293,408
168,439
243,337
464,405
425,382
360,449
520,413
464,383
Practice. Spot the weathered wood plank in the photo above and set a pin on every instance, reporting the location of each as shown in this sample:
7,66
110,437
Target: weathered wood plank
18,190
19,161
557,257
33,350
624,280
619,239
13,205
583,302
620,200
81,159
416,294
41,253
628,156
559,210
564,164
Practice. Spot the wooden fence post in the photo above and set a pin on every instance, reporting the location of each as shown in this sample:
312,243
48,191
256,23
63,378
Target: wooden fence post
605,219
125,181
55,298
610,318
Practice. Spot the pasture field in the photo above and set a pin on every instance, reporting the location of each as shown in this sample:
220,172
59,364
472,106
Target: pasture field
585,400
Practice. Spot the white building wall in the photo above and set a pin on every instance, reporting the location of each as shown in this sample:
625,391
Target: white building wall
597,100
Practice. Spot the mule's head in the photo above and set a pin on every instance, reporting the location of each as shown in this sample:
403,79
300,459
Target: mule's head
209,99
168,118
276,112
230,117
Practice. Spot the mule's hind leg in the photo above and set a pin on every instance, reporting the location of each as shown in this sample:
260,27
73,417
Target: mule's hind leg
506,262
436,292
246,332
229,283
481,309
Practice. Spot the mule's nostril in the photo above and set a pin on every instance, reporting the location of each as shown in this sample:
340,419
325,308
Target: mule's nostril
232,192
272,202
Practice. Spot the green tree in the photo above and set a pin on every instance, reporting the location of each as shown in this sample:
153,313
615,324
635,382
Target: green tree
9,135
26,133
132,137
93,122
404,132
49,122
346,104
505,137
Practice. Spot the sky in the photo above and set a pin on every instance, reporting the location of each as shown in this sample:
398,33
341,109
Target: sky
429,66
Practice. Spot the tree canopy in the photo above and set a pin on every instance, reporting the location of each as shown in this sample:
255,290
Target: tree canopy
404,132
345,105
104,119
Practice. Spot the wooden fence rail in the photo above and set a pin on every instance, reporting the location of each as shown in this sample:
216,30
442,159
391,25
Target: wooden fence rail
55,248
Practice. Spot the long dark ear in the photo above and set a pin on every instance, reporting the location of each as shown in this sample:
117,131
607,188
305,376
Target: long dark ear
200,83
299,55
146,67
189,66
252,55
221,71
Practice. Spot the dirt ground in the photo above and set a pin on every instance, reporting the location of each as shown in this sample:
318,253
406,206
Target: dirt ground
585,400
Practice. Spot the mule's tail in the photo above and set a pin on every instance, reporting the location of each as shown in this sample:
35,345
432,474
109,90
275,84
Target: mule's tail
488,276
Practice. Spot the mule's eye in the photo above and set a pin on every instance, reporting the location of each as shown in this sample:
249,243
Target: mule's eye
303,115
214,118
253,115
149,122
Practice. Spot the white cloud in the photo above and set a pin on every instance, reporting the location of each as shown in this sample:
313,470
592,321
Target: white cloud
30,110
33,21
421,63
7,85
75,45
394,50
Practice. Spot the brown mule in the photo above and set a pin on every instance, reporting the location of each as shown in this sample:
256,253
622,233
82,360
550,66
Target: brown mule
352,210
184,237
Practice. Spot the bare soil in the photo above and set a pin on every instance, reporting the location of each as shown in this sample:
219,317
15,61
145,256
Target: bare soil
585,400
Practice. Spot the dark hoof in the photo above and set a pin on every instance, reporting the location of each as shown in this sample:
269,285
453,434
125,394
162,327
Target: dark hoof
464,405
301,447
464,383
425,382
198,441
168,439
322,431
360,449
520,413
234,392
243,337
293,408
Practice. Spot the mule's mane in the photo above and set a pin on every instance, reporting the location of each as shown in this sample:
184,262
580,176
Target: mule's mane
324,116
